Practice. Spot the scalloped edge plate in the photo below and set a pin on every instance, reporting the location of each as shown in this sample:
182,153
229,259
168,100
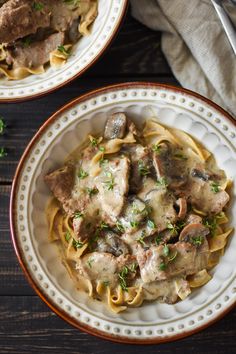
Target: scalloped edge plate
85,53
221,132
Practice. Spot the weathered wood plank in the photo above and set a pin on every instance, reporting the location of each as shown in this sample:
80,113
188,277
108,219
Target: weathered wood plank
28,326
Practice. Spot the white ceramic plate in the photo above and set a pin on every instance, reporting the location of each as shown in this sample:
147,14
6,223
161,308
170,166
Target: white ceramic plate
61,134
84,54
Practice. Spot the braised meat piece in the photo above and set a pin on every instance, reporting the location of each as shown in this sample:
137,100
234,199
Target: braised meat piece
19,18
36,54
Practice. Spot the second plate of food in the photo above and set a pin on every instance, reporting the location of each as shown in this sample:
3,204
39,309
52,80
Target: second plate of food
122,212
46,44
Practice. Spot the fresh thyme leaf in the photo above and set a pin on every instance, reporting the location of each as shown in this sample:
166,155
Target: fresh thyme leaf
142,169
63,50
102,161
162,266
134,223
123,278
119,226
171,258
133,267
2,125
3,152
110,182
82,174
166,251
151,224
89,262
94,142
173,228
38,6
215,187
91,191
197,240
103,225
77,244
156,148
158,240
162,182
141,238
67,236
211,223
78,214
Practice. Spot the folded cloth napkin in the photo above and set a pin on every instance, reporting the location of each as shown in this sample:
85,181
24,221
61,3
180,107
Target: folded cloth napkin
195,45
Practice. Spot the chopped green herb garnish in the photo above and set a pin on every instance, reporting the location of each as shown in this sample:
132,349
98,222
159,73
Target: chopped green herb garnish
151,224
197,240
67,236
133,267
103,225
134,223
156,148
173,228
110,182
38,6
122,278
94,142
166,251
141,238
102,161
3,152
91,191
77,244
119,226
211,224
142,169
101,148
158,239
82,174
162,266
171,258
89,262
162,182
63,50
78,214
2,125
215,187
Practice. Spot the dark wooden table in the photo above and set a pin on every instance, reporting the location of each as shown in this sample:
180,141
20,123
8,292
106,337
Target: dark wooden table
26,324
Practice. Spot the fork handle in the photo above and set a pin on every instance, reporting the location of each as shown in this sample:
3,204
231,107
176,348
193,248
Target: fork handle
226,22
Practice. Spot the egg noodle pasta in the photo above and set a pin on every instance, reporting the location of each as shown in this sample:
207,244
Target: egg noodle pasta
112,237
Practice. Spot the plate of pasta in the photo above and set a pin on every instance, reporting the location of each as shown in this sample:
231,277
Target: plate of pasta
122,212
45,44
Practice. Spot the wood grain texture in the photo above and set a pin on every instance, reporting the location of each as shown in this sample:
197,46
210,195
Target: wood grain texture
28,326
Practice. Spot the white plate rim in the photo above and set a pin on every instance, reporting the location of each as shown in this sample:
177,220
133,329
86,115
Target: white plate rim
210,106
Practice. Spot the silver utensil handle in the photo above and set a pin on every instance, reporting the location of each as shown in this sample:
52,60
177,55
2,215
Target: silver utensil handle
227,24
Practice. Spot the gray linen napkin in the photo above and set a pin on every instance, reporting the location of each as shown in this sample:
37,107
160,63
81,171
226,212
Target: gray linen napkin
195,45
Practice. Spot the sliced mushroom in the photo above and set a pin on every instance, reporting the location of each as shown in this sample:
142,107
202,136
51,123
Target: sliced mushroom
115,126
192,231
182,204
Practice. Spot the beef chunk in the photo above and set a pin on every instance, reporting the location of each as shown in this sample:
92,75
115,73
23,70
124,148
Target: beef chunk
19,18
36,54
